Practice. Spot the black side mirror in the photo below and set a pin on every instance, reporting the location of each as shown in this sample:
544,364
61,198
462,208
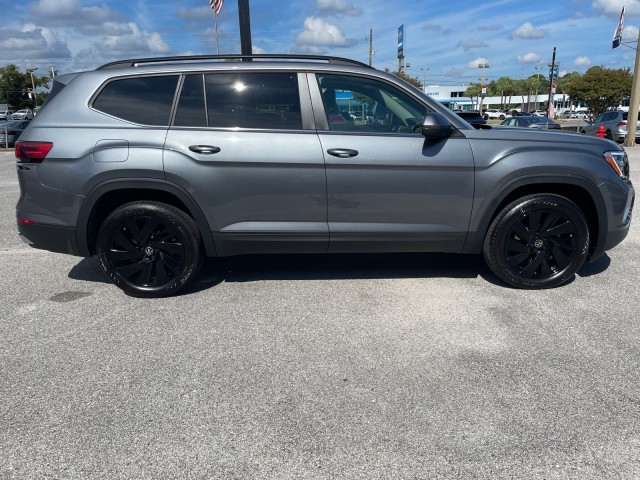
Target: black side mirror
435,125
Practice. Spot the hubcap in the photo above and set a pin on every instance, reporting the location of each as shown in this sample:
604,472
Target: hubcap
541,244
146,252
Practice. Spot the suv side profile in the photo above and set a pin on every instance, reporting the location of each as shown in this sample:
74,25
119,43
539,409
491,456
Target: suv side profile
614,123
155,164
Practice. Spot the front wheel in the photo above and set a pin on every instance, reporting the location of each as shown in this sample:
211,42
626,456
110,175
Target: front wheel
149,249
538,241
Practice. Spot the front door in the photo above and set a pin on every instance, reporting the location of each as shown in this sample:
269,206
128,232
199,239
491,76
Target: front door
389,189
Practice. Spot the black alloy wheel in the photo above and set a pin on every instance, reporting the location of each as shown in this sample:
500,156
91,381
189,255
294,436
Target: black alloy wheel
538,241
149,249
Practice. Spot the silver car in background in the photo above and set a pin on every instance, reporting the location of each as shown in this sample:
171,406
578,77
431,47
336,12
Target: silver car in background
614,124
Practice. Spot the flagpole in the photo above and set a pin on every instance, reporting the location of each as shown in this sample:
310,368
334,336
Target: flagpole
217,39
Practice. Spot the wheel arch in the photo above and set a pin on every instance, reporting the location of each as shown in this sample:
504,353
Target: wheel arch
109,195
585,195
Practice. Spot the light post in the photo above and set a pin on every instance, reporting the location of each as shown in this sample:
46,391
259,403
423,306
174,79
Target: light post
33,86
424,78
483,91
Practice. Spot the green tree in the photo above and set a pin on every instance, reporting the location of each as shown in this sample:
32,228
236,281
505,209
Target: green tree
601,88
473,90
412,80
14,86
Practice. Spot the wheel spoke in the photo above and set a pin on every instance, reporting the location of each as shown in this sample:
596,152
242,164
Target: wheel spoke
551,219
561,259
120,239
522,231
171,263
129,271
120,256
514,245
161,273
145,275
170,248
562,229
147,229
535,222
531,269
132,226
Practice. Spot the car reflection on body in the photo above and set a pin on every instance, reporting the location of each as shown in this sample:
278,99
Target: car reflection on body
10,132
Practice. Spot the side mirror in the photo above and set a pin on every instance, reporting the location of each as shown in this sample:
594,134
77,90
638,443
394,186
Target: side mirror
436,126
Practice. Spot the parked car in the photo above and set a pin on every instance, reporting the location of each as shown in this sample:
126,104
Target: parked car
494,114
614,123
539,113
583,114
471,116
541,123
5,115
155,164
24,114
11,131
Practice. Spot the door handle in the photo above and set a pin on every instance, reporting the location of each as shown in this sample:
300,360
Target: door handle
204,149
342,152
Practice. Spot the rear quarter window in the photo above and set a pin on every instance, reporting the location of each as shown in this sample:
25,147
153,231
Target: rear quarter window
144,100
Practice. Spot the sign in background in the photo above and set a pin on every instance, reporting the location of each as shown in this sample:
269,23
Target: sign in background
401,41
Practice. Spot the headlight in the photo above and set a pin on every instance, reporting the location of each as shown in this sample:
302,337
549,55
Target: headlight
619,162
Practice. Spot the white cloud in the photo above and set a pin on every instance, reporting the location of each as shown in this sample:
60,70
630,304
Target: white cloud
582,62
629,33
31,43
71,13
338,7
614,7
471,43
529,58
318,33
528,31
477,62
436,28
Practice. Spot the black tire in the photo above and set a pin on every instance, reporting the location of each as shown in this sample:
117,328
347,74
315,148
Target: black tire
608,135
149,249
501,117
538,241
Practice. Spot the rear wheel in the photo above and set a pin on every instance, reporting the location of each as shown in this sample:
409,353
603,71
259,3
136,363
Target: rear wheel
149,249
538,241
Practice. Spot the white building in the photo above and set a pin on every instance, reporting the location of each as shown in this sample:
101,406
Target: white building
453,97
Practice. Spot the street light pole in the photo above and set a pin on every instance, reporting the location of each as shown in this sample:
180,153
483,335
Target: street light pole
424,78
483,88
33,87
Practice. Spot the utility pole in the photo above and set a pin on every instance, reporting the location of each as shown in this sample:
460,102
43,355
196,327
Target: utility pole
632,118
370,46
552,78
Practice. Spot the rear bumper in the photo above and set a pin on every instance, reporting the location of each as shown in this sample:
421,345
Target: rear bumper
50,237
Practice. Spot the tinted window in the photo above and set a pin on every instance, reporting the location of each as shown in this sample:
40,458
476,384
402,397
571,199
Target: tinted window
253,100
191,111
363,105
145,100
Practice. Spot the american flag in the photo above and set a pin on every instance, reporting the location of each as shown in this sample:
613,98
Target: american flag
216,5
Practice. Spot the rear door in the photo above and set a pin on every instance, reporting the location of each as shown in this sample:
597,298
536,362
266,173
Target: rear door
243,145
389,188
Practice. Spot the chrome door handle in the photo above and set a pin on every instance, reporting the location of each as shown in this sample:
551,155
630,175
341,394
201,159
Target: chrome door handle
204,149
342,152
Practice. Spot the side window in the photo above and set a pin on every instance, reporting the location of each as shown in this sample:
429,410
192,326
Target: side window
358,104
253,100
191,109
145,100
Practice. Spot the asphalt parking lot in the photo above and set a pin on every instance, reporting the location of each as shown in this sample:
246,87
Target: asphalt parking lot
316,367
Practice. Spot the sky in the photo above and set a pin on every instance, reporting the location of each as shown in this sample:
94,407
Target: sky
444,42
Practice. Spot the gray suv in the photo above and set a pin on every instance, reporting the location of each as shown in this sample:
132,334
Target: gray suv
614,124
155,164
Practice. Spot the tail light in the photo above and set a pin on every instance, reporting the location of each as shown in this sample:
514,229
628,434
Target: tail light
622,124
32,152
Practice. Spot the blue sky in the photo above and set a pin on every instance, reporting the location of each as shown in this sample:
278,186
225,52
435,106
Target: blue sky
443,40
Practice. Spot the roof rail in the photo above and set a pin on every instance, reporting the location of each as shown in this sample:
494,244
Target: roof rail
247,58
